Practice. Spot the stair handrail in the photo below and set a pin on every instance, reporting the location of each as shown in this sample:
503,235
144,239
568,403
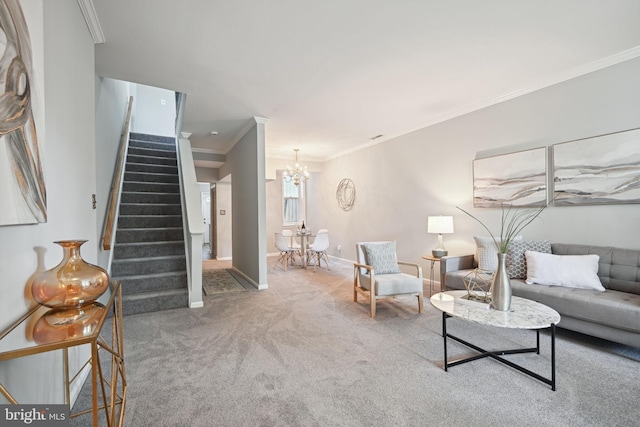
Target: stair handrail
116,185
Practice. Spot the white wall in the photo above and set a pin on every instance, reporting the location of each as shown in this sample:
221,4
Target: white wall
69,163
112,101
224,235
154,111
402,181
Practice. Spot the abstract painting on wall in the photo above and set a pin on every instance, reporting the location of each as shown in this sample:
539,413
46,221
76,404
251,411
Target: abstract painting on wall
22,185
514,179
600,170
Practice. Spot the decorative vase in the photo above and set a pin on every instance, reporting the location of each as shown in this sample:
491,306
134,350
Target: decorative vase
501,286
65,324
73,282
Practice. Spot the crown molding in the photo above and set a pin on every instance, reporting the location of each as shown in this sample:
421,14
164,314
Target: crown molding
255,120
206,151
561,77
91,18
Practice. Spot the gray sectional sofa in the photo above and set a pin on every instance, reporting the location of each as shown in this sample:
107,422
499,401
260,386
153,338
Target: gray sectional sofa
612,315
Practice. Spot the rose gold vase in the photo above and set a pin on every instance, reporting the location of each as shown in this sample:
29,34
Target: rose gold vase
65,324
73,282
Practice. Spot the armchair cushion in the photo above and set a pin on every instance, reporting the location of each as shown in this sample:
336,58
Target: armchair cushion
393,284
382,257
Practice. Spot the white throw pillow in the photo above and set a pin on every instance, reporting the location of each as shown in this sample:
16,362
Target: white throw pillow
572,271
486,255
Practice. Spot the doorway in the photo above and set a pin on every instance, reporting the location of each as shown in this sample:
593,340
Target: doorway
205,206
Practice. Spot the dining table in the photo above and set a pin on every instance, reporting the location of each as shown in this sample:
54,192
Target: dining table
304,235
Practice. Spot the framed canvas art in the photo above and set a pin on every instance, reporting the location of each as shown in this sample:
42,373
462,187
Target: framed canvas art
22,184
513,179
599,170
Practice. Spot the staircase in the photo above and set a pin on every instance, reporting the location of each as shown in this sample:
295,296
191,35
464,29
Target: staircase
149,252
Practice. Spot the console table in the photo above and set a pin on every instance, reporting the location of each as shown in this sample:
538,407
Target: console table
524,314
43,329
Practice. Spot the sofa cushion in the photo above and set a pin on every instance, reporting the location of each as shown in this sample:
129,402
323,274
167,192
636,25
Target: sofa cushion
616,309
516,262
382,257
574,271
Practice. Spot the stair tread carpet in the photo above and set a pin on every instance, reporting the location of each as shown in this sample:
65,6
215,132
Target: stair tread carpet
149,254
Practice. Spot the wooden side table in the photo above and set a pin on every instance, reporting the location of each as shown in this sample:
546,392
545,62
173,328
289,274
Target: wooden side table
433,261
43,329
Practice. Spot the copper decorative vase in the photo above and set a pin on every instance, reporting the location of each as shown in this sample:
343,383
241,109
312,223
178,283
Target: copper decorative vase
72,283
65,324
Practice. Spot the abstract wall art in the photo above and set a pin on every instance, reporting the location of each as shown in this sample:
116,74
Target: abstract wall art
513,179
22,185
600,170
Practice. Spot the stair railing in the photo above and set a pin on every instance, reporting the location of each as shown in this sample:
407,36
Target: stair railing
193,223
108,237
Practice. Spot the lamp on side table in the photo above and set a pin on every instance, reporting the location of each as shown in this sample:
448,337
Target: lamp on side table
439,225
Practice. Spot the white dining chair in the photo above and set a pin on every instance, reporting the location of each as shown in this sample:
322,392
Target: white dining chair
318,251
287,253
288,234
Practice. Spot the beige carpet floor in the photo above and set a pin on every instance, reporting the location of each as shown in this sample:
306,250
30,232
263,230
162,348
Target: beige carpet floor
302,353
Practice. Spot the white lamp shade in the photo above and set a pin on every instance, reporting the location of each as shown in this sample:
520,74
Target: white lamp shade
440,224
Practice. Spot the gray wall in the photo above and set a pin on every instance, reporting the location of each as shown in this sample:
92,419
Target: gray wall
246,164
69,163
429,172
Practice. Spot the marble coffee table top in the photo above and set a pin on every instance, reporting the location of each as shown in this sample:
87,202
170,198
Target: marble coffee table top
524,313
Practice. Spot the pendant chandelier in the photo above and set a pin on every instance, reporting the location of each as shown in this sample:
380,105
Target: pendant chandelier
297,173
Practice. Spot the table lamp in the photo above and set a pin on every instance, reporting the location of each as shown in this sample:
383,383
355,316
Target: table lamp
439,225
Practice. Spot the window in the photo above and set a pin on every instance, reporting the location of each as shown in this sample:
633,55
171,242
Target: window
291,202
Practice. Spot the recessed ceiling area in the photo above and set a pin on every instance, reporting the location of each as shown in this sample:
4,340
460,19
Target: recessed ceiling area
332,75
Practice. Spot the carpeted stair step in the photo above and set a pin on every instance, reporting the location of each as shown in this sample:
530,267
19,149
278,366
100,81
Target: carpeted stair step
151,160
150,209
152,168
151,177
155,282
154,198
152,145
149,221
149,152
154,301
155,138
132,235
148,249
147,265
150,187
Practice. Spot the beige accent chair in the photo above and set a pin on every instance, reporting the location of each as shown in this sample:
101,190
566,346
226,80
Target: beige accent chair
388,281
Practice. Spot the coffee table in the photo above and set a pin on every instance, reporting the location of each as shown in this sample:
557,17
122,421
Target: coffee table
524,314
